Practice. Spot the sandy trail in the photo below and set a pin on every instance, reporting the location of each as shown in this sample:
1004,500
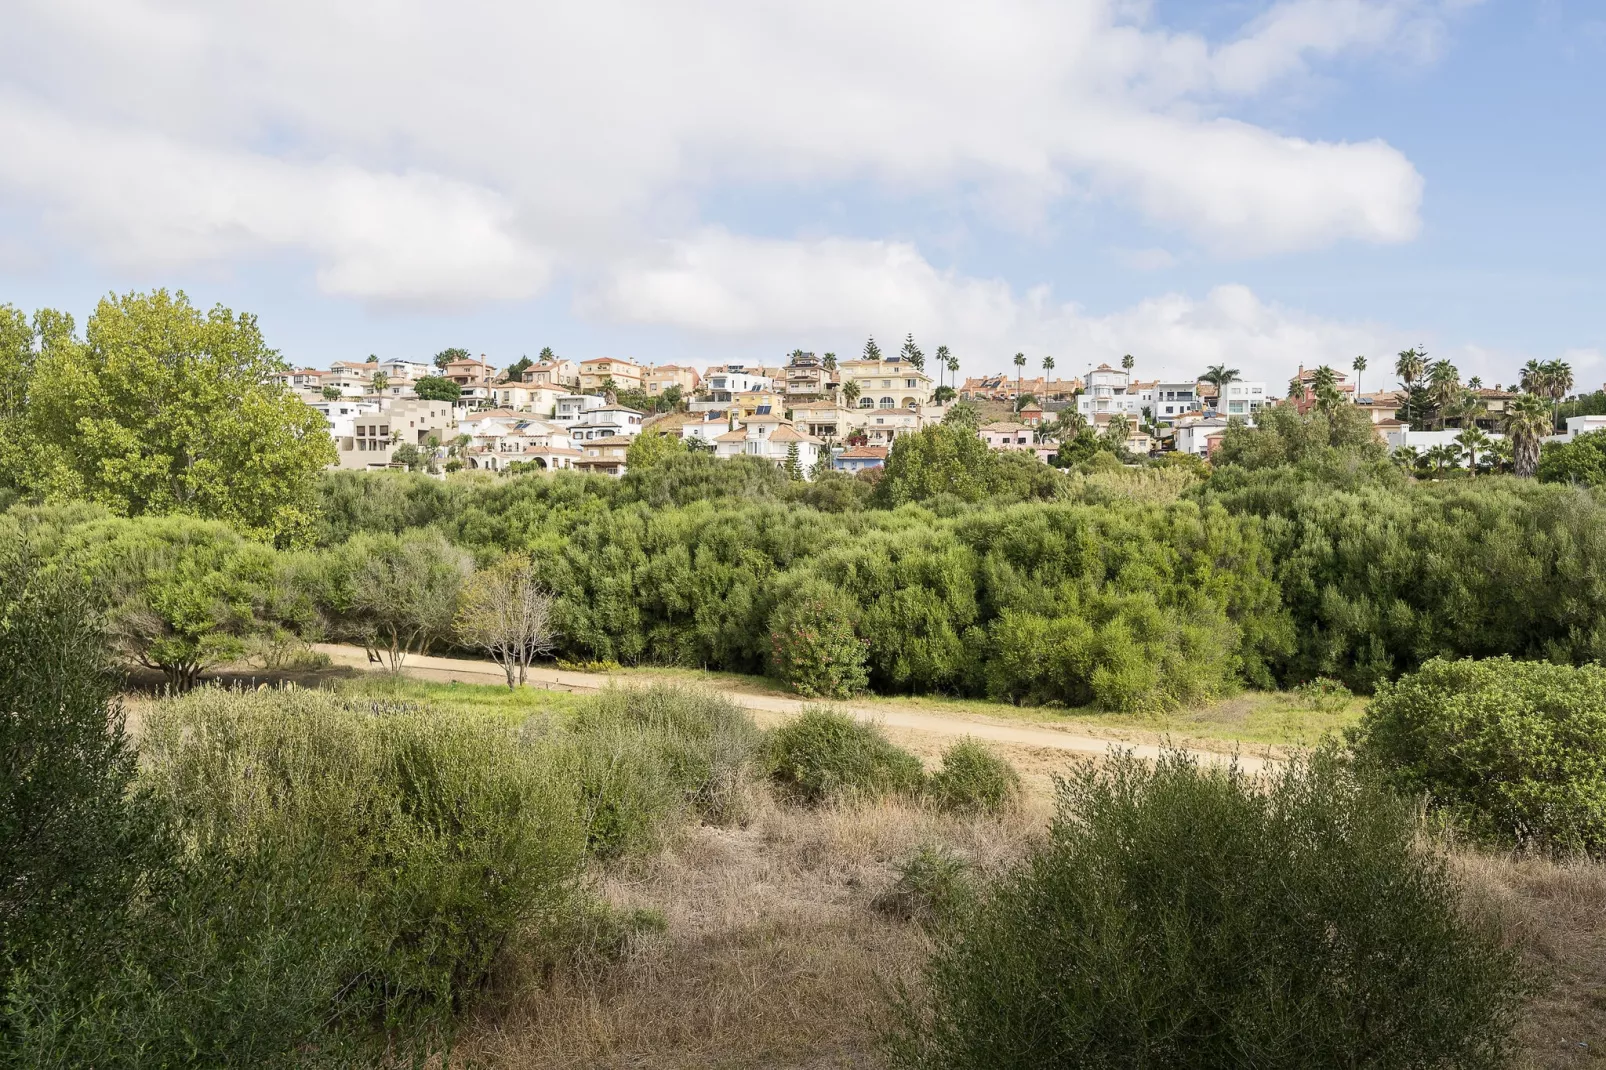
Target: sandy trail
770,709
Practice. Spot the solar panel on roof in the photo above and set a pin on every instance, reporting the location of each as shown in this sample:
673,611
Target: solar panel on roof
762,410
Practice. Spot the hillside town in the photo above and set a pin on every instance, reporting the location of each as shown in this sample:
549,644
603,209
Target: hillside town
816,413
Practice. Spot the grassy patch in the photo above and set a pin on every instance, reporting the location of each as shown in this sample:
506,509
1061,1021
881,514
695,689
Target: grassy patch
517,704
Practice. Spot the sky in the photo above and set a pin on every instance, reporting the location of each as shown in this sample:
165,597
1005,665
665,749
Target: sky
1260,183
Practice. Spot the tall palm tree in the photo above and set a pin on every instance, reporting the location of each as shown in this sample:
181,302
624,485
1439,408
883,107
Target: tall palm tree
1472,441
1359,364
830,362
1410,366
942,362
1534,378
850,392
1020,364
1444,386
1048,366
1475,383
1528,421
1559,378
1500,450
1119,429
953,369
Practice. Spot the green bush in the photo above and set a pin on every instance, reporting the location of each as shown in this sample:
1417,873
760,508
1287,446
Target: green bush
433,838
76,839
1188,917
973,779
823,756
648,756
934,887
813,646
1517,750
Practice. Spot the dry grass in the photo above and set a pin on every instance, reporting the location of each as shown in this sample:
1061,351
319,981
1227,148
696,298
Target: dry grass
773,955
1557,914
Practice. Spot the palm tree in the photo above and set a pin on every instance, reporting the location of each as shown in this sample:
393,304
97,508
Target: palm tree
942,363
1324,384
1119,429
850,392
1048,366
830,362
953,368
1444,386
1528,421
1439,455
379,383
1500,450
1410,366
1533,378
1020,363
1359,364
1475,383
1127,362
1407,457
1559,378
1472,441
1219,375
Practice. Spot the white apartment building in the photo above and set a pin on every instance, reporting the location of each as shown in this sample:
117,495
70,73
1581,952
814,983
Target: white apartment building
772,439
1579,425
1194,436
527,397
375,430
405,369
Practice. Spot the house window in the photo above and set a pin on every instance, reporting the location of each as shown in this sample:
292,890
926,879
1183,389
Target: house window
888,403
886,384
911,383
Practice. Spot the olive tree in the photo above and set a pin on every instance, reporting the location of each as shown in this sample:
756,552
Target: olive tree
397,594
508,614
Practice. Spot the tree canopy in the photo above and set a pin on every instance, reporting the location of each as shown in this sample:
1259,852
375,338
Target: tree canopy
162,408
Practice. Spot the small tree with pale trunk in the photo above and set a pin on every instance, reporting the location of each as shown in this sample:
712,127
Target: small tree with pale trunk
508,614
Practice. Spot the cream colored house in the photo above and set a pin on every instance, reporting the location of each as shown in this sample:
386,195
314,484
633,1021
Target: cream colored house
626,375
665,376
887,384
561,375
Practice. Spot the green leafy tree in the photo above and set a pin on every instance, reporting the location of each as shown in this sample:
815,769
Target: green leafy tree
794,464
332,393
945,459
373,358
1581,461
651,448
508,614
446,356
437,388
515,371
397,594
162,408
871,350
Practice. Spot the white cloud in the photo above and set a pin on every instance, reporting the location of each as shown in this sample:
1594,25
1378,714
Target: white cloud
421,150
732,286
1146,259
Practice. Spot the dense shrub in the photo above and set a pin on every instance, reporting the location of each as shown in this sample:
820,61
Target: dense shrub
1583,460
439,834
1186,917
973,779
692,748
1515,749
823,756
1379,577
75,838
813,646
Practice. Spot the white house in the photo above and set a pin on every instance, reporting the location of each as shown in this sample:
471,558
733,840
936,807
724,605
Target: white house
410,370
1193,436
1402,436
1174,399
607,421
1108,391
527,397
722,383
571,408
1579,425
771,438
1241,399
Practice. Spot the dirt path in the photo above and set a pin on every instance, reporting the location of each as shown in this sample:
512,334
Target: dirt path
770,709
